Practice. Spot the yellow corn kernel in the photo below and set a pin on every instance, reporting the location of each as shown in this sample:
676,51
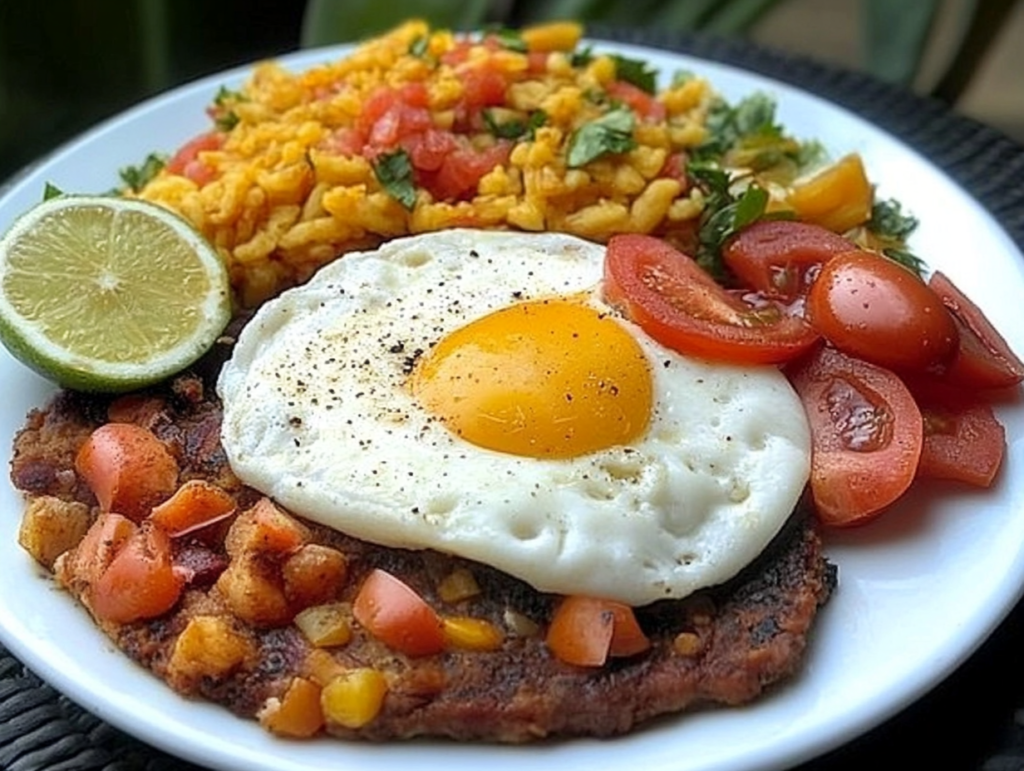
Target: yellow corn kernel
473,634
458,585
553,36
326,625
354,698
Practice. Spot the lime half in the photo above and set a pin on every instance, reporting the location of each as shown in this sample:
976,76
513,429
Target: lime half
109,294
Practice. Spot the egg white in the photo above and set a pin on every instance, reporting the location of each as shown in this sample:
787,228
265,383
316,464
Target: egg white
317,415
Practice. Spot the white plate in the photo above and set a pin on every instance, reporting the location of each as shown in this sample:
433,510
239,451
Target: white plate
918,592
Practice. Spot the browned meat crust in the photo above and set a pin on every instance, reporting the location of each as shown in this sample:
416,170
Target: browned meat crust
724,646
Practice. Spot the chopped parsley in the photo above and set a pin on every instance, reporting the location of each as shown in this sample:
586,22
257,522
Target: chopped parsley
509,38
394,172
725,213
419,46
50,190
515,128
748,135
891,228
223,116
582,58
637,72
136,177
611,133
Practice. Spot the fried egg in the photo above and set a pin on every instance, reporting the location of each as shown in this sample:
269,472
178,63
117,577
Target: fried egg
470,392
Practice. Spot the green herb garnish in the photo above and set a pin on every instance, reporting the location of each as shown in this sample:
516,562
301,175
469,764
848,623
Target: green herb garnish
609,134
137,177
394,172
582,58
419,46
223,116
891,229
514,129
509,38
50,190
636,72
725,213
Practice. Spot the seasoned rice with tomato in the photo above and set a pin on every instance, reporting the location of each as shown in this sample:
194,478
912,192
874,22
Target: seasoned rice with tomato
421,130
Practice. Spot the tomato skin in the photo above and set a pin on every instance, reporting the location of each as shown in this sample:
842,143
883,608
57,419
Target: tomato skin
585,631
186,161
394,613
983,359
875,309
778,258
140,582
643,104
668,295
963,439
128,469
866,435
462,169
195,504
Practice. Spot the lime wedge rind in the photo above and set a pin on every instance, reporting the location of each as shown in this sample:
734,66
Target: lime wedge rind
71,355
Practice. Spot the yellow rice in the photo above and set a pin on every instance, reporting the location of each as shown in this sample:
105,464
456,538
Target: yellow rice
281,202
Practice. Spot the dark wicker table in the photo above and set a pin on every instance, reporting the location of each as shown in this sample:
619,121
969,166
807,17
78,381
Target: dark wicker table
973,720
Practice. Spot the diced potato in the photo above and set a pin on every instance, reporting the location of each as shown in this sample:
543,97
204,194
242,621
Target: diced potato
253,591
321,667
297,714
265,528
474,634
51,526
313,575
354,698
326,625
208,646
458,585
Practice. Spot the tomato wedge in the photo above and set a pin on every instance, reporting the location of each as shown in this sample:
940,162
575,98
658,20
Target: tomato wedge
195,504
395,614
984,358
778,258
674,301
128,469
866,435
585,631
963,439
875,309
140,582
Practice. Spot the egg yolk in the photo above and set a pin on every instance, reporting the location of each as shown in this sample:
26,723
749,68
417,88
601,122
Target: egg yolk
544,379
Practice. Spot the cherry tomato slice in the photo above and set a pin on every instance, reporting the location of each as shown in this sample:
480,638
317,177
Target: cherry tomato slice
778,258
866,435
984,359
674,301
963,439
395,614
585,631
875,309
128,469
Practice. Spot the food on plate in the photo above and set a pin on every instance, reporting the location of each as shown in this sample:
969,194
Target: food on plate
421,130
266,620
158,283
489,403
471,480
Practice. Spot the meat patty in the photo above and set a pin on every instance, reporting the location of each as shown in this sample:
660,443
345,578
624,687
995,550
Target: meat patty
726,645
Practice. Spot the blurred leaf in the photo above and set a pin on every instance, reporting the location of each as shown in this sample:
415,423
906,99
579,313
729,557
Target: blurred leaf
895,36
335,21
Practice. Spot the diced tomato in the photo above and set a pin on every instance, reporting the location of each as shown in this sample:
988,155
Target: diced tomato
128,469
482,86
645,105
186,162
537,62
779,258
963,439
98,547
195,504
140,581
875,309
866,435
681,306
585,631
395,614
462,170
428,150
675,168
984,359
